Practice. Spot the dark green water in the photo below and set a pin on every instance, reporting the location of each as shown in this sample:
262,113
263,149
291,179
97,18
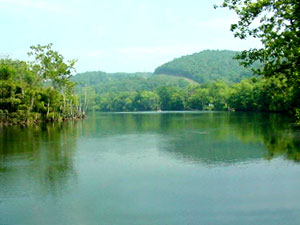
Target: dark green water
152,168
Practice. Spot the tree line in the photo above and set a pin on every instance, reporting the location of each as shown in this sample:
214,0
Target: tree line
205,66
252,94
40,90
278,31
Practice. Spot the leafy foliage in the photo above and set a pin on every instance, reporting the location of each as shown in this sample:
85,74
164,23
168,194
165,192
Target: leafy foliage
146,91
276,24
122,82
253,94
40,90
205,66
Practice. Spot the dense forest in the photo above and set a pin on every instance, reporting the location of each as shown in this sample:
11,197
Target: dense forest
124,92
45,91
121,82
150,91
39,90
206,66
161,92
263,79
209,80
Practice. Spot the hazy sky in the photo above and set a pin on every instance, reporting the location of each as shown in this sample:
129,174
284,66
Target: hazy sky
117,35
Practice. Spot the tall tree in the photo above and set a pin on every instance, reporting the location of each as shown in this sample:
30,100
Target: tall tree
50,65
41,90
276,23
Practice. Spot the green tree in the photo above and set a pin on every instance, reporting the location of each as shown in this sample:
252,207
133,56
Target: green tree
41,90
146,101
278,30
276,24
219,93
199,99
50,65
172,98
206,66
242,97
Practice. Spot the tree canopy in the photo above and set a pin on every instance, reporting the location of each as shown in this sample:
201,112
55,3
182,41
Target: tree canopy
276,23
39,90
206,66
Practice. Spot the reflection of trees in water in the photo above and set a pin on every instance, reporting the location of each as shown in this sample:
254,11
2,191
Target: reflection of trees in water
279,135
45,154
211,137
287,144
215,138
40,153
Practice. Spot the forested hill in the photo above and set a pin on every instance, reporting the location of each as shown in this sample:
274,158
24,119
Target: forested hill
208,65
126,92
96,77
123,82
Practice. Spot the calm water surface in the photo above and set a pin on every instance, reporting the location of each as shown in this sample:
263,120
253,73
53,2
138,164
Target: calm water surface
152,168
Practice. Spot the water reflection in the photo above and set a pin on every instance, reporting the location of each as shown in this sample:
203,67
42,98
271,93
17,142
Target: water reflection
173,168
208,137
235,138
47,154
42,154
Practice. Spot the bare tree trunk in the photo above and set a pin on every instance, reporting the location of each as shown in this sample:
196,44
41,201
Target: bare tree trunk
71,109
31,103
79,107
64,99
30,107
85,106
48,107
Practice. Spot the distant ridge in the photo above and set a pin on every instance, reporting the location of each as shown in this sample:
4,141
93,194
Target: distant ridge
92,78
205,66
127,82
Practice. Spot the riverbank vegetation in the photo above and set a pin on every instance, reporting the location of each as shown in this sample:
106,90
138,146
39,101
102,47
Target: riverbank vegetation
276,24
221,84
268,79
252,94
178,91
39,90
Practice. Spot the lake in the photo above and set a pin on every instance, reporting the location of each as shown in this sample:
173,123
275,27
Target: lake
179,168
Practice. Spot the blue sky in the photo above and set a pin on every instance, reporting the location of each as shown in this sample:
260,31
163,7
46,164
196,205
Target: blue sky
117,35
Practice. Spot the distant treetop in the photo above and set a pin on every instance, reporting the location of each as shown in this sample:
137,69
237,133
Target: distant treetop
205,66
